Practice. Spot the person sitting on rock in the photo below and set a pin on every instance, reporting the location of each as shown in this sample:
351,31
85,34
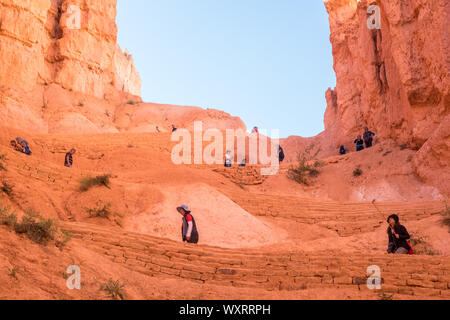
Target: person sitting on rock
174,128
398,236
68,162
255,130
359,143
243,163
368,137
16,146
342,150
189,232
228,159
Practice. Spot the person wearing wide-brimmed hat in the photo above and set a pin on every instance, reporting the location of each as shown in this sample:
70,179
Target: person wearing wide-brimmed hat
189,230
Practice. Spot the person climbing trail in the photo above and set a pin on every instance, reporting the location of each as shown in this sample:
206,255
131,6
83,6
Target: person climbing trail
368,137
398,237
359,143
25,146
281,155
189,232
228,159
342,150
68,162
255,130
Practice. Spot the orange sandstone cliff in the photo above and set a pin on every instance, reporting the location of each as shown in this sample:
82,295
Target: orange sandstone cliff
63,71
394,80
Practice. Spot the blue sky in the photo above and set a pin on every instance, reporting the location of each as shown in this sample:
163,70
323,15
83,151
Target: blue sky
268,62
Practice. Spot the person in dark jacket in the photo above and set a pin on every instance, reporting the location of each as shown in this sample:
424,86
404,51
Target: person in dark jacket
368,137
359,143
68,162
342,150
280,154
189,232
398,236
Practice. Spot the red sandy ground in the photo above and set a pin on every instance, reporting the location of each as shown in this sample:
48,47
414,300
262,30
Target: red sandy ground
261,239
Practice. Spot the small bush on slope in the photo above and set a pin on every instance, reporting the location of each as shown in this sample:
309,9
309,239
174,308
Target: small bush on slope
6,188
88,183
114,289
357,172
36,228
101,211
306,167
2,165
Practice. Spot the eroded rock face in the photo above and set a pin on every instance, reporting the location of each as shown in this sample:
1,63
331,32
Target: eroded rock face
395,80
72,43
126,76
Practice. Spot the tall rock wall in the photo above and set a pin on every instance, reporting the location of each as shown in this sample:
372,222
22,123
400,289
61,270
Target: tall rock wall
395,79
72,43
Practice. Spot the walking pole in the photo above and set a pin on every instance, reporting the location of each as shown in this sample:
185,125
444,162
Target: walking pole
381,213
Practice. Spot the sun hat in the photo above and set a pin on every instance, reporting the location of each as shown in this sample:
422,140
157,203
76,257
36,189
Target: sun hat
184,207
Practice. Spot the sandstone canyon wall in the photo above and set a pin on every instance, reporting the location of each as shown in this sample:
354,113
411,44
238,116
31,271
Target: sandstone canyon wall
395,80
62,71
42,43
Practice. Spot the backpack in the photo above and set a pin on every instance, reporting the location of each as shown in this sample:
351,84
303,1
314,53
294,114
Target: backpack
411,250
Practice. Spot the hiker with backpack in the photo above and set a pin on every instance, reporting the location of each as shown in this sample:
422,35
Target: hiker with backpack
189,232
398,237
368,137
359,143
68,161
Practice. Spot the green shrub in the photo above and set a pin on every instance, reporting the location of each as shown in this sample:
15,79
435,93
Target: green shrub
2,165
66,237
36,228
421,246
357,172
385,296
89,182
305,168
6,218
13,272
102,211
6,188
114,289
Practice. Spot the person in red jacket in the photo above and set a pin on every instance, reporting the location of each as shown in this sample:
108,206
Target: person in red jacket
189,231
